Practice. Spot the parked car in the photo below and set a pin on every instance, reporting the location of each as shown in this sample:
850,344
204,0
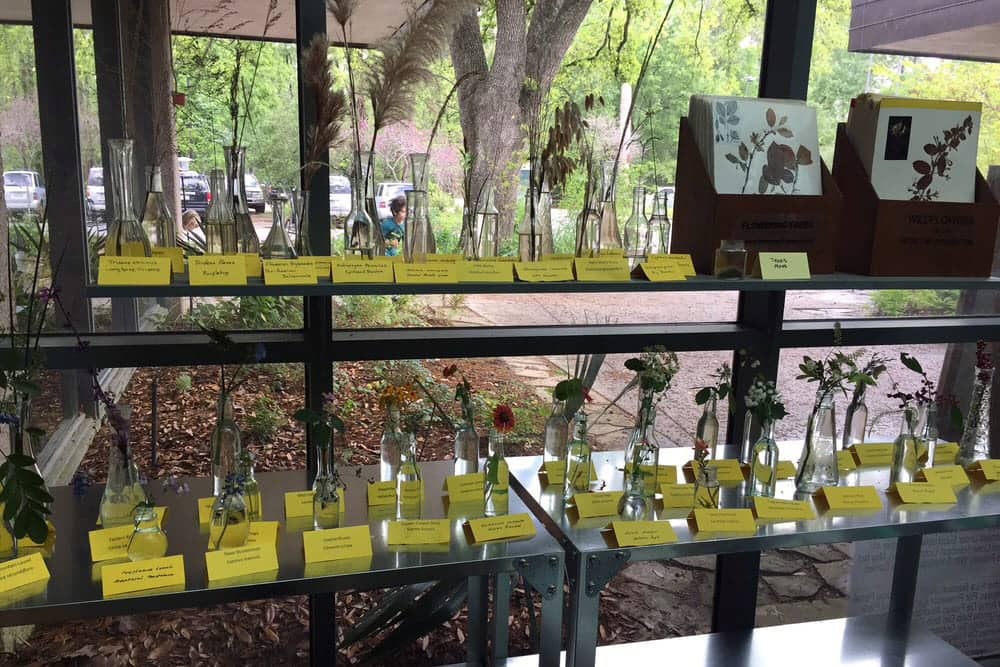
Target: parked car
255,194
95,189
23,190
195,194
386,192
340,196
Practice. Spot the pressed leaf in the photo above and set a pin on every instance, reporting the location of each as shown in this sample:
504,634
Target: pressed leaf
762,185
924,181
931,149
921,167
803,156
782,120
785,132
771,117
744,151
732,158
787,175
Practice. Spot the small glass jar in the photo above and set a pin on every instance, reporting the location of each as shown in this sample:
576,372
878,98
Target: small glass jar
148,539
230,523
730,260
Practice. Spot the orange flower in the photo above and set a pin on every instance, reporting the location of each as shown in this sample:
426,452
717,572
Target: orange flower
503,418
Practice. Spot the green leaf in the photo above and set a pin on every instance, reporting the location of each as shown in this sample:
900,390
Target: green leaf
21,524
307,416
21,460
38,493
337,423
957,421
27,388
37,529
28,477
911,363
635,364
702,397
10,507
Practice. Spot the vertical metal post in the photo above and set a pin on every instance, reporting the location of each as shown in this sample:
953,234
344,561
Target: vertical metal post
52,29
787,49
475,642
499,626
581,620
904,576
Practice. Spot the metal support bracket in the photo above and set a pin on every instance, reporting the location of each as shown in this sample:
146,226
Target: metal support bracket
544,574
601,568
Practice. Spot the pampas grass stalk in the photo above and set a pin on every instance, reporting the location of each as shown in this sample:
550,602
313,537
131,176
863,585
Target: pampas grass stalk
330,106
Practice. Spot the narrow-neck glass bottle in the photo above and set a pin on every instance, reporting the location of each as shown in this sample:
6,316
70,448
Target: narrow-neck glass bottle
467,236
225,445
122,492
495,478
250,485
409,487
856,418
220,225
148,539
746,446
467,442
975,443
659,223
637,228
818,463
277,245
588,224
390,445
423,232
300,223
529,234
577,477
642,450
706,487
371,208
416,228
230,523
544,219
609,237
359,232
246,235
708,426
764,463
326,492
556,433
157,220
126,237
928,439
906,440
487,223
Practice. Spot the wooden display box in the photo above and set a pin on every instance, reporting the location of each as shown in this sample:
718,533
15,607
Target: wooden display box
769,223
910,238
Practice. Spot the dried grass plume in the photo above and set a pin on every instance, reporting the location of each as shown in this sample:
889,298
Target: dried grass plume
331,106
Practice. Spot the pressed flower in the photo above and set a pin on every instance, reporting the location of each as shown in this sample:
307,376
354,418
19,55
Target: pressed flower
503,418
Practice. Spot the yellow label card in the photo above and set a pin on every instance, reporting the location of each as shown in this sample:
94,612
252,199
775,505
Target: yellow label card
784,265
953,476
547,256
381,493
945,453
205,510
874,453
254,268
420,531
142,575
443,258
485,271
665,474
263,532
850,497
677,496
990,469
555,471
217,270
661,272
289,271
786,469
677,261
729,470
109,543
544,272
776,509
161,513
323,265
845,460
362,271
723,521
337,543
300,504
174,254
22,571
603,268
440,273
411,493
610,252
923,492
642,533
501,527
598,503
240,561
130,271
465,488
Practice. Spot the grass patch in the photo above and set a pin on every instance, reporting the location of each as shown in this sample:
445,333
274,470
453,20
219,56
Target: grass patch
908,303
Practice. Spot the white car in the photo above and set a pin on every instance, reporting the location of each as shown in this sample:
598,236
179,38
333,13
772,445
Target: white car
95,189
255,194
23,190
340,196
386,192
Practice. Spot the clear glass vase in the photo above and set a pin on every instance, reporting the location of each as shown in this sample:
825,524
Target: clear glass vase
746,446
368,173
122,492
250,485
587,225
975,443
148,539
359,227
856,418
637,228
277,245
556,433
708,427
642,450
326,489
467,235
730,260
467,442
157,220
706,487
225,444
229,526
220,224
390,446
543,219
659,222
409,490
300,223
906,440
577,476
416,229
928,440
495,478
487,223
764,464
529,234
818,463
126,237
246,236
609,237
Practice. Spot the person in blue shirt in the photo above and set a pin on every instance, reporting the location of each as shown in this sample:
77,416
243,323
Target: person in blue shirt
392,227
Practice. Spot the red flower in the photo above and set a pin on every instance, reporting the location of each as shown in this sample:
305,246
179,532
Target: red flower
450,370
586,394
700,445
503,418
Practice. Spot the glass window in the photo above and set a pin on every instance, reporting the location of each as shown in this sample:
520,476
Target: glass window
95,177
18,179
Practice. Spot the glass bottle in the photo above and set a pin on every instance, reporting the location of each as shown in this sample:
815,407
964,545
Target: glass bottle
467,442
8,543
609,237
641,450
818,463
246,235
587,225
764,463
543,219
905,440
467,236
220,225
423,232
927,443
225,444
556,433
577,477
300,223
706,487
975,443
122,492
416,228
638,231
529,234
326,491
250,485
409,489
148,539
368,174
659,222
277,245
359,232
157,220
495,479
487,223
390,445
126,237
229,526
730,260
856,419
746,446
708,426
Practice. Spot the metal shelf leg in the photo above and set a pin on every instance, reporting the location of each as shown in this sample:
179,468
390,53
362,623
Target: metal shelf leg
322,630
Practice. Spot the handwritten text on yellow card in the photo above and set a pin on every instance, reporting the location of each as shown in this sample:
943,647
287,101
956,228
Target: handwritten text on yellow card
241,561
661,272
124,271
874,453
109,543
217,270
362,271
599,503
422,531
142,575
953,476
613,269
553,271
289,271
724,520
381,493
501,527
411,493
337,543
298,504
677,496
850,497
777,509
784,265
22,572
924,492
464,488
439,273
485,271
174,254
945,453
641,533
677,261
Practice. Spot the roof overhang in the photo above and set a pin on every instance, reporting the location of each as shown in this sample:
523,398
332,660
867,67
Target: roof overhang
963,29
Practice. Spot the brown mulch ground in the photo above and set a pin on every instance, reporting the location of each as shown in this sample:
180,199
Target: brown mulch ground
265,632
